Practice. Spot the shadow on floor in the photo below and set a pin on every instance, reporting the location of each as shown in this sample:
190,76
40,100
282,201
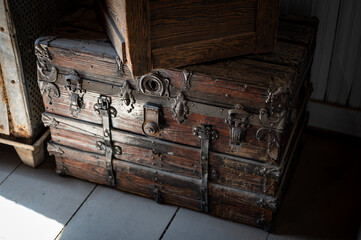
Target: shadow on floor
324,196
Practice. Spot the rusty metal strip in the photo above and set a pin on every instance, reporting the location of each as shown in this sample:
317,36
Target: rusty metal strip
205,133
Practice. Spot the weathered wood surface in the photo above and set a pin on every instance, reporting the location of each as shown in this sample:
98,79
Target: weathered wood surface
266,25
225,202
164,34
175,158
171,130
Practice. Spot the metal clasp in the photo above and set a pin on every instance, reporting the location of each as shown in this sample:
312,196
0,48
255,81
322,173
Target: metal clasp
238,124
151,121
73,85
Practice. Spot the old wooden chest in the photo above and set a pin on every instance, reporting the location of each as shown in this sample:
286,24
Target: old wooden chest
153,34
216,137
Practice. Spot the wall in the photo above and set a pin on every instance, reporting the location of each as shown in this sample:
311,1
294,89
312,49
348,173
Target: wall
336,72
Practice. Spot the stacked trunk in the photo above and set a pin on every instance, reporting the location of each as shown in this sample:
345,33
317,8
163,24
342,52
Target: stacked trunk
216,137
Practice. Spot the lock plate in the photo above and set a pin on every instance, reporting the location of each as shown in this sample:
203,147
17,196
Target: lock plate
150,125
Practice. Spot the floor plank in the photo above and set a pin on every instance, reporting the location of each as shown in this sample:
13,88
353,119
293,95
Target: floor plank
190,225
112,214
8,161
36,203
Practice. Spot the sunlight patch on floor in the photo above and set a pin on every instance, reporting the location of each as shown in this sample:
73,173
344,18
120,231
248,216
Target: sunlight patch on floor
18,222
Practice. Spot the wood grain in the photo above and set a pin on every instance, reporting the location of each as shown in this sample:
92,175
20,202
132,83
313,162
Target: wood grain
164,34
224,202
266,27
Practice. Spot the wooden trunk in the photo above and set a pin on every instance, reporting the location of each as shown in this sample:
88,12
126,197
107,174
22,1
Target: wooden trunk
250,101
154,34
217,137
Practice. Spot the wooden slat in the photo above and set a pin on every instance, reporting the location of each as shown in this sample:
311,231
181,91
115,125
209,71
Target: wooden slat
113,33
207,50
44,201
191,225
266,25
138,37
175,22
109,214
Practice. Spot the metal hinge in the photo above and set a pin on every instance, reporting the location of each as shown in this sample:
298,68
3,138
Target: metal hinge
205,133
103,108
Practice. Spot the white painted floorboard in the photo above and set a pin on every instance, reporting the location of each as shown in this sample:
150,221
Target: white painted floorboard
109,214
35,204
192,225
8,161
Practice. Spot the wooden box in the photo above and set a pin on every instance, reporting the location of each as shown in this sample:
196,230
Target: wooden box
217,137
153,34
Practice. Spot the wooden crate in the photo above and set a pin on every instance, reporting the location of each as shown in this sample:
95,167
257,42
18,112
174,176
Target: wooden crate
152,34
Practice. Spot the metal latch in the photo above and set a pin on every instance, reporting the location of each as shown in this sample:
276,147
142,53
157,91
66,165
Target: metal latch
205,133
103,108
151,121
238,124
73,85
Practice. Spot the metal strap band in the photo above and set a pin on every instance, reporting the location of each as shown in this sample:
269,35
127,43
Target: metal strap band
205,133
103,108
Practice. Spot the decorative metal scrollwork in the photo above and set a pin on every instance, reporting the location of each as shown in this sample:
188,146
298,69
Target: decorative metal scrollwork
73,85
46,81
50,90
54,148
187,80
41,49
238,123
154,85
42,76
126,97
278,100
180,109
49,121
272,128
273,119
